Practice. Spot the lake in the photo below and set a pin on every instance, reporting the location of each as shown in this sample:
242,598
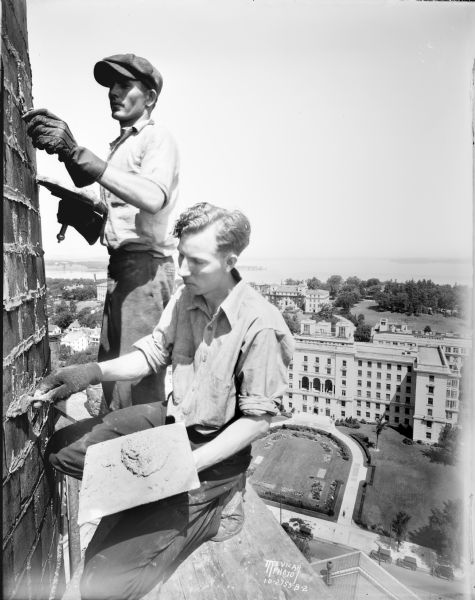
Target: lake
275,270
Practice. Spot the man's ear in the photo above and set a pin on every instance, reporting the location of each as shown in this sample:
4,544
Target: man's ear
231,261
151,98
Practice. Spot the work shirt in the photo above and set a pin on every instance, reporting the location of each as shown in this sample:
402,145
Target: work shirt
233,361
148,150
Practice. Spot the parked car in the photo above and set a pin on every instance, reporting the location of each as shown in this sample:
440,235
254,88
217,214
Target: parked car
444,571
381,555
408,562
407,441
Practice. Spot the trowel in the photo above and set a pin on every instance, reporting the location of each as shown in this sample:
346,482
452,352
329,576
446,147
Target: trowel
136,469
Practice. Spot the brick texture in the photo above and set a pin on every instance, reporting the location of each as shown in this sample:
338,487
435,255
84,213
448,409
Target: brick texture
30,517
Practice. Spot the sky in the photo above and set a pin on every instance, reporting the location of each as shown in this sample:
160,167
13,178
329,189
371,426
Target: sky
342,129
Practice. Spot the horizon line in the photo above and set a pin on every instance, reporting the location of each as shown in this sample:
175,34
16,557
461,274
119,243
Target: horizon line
422,259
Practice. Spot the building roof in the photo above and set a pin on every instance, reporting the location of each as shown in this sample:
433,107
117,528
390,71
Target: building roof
317,292
420,339
370,351
430,356
288,289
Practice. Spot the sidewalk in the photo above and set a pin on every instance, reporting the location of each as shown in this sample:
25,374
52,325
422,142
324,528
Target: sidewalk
357,471
345,531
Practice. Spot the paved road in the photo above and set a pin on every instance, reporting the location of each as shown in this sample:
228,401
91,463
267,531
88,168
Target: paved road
425,585
338,538
320,550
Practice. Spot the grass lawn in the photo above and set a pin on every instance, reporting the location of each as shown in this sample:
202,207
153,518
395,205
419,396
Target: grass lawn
285,463
438,322
406,480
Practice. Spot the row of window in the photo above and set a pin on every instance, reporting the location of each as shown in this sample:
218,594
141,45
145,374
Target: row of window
377,395
379,365
379,376
359,383
317,370
455,350
317,359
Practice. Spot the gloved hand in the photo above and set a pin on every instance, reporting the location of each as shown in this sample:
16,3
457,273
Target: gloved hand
49,132
69,380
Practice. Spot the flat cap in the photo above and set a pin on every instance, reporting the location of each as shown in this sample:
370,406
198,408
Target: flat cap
128,66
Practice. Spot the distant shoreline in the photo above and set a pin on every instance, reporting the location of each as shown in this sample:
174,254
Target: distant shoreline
275,270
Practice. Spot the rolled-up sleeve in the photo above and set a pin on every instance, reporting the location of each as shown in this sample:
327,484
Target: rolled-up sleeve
157,346
262,372
160,162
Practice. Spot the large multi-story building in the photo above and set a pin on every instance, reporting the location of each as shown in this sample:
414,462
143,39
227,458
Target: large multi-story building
315,299
296,296
408,385
455,347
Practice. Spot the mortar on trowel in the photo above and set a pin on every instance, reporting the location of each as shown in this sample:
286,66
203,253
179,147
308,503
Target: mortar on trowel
136,469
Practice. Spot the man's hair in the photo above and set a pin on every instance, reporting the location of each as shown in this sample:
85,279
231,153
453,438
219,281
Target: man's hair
232,231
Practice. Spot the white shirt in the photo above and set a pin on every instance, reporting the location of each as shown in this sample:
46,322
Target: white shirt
148,150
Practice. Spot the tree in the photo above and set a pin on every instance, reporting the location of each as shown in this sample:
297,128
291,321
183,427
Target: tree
299,540
363,332
381,423
346,299
314,284
427,329
353,282
334,283
373,281
399,525
325,313
351,317
80,358
85,292
372,290
64,319
447,528
290,281
88,318
64,352
449,439
293,321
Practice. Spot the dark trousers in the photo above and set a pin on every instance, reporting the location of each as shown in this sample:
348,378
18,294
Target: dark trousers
139,287
132,551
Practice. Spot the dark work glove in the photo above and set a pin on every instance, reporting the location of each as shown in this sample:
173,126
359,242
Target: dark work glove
70,380
49,132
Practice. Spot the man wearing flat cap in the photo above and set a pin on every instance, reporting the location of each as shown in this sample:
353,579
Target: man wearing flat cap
139,186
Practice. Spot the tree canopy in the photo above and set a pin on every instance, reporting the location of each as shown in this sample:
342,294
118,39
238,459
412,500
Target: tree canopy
292,319
419,296
399,525
447,527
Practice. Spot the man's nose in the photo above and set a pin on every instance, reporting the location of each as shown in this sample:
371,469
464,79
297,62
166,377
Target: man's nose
183,269
114,90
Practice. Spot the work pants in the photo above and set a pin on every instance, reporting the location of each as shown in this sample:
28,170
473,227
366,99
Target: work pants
132,551
139,287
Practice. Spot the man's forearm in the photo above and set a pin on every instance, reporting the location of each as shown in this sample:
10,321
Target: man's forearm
129,366
133,189
233,439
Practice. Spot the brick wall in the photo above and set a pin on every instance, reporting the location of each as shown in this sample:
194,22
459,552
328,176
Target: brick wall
30,526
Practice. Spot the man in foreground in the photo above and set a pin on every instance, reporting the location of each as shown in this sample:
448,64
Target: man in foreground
139,186
229,349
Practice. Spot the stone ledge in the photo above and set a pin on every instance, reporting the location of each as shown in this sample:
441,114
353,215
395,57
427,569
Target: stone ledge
261,563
